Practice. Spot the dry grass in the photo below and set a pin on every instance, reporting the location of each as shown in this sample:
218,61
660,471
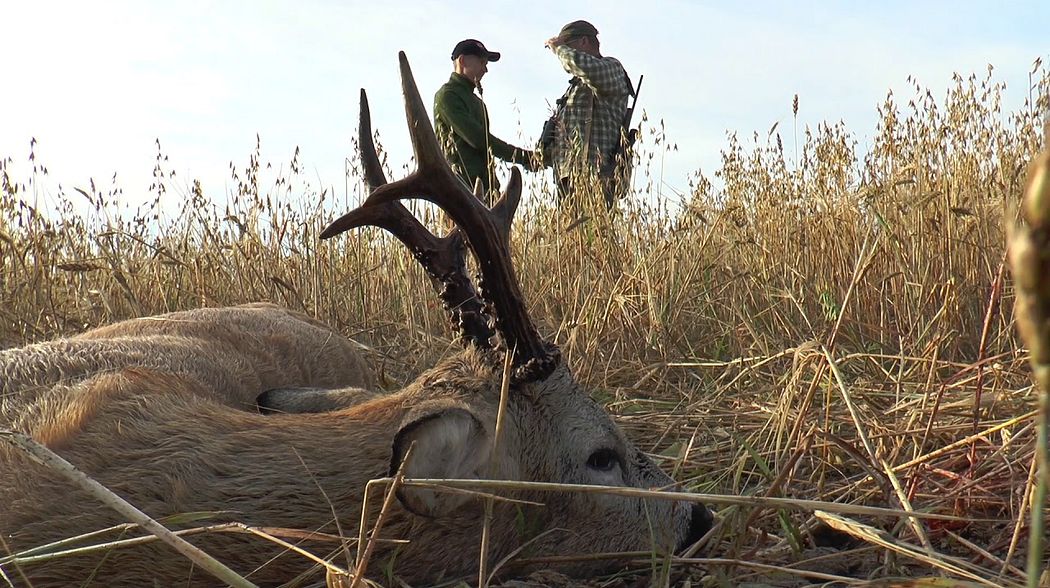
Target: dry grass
835,326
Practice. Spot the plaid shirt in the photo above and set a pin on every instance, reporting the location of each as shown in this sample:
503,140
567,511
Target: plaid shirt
589,124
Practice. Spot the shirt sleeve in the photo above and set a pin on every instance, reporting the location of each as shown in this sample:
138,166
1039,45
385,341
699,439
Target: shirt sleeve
473,131
508,152
604,75
458,117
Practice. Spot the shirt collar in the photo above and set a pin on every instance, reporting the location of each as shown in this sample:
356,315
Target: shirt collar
462,80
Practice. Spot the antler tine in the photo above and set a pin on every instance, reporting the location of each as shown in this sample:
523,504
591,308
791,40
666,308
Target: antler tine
504,209
373,170
487,232
444,259
374,178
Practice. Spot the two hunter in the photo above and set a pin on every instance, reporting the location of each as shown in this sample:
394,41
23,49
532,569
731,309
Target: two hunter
587,141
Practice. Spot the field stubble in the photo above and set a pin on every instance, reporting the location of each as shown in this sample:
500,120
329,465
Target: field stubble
828,325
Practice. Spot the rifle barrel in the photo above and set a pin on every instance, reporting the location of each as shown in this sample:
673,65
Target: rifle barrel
630,111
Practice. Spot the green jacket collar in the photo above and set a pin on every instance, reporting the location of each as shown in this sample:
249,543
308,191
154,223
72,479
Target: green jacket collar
461,82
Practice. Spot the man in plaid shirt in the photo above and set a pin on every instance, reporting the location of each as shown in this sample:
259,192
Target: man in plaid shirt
590,116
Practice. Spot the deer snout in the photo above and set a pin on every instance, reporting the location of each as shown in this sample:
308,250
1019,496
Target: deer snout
700,522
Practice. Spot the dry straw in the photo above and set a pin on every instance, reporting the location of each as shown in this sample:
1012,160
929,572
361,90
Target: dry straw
816,324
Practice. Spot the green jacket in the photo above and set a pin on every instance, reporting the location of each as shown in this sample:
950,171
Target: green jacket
462,125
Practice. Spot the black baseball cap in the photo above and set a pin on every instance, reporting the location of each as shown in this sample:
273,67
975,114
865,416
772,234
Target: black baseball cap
474,47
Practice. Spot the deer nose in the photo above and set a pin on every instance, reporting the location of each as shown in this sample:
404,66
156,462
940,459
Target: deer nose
700,523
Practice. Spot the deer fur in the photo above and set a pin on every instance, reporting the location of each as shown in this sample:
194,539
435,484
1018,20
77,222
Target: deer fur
167,417
264,416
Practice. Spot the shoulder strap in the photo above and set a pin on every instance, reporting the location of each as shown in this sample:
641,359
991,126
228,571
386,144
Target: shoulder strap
630,87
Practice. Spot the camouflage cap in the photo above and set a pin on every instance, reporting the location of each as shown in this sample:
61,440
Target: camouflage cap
578,28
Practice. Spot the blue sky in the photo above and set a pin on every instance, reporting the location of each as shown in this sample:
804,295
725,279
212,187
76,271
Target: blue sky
97,82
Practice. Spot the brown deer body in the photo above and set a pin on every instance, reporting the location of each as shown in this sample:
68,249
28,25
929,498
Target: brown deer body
263,416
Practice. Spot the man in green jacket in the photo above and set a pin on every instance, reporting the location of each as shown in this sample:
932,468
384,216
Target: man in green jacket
462,121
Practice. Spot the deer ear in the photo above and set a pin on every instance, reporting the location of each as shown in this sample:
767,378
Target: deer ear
447,442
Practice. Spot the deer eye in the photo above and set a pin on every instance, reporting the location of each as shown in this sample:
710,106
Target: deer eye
603,460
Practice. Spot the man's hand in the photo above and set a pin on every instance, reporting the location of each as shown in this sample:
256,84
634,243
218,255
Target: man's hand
533,161
554,42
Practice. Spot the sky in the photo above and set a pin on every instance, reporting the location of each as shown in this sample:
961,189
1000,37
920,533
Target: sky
97,84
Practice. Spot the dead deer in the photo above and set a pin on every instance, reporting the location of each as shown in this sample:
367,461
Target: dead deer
261,415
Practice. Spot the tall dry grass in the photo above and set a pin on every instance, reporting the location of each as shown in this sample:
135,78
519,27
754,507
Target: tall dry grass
816,323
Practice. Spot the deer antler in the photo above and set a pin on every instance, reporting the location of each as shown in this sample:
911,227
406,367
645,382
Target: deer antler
443,258
487,233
